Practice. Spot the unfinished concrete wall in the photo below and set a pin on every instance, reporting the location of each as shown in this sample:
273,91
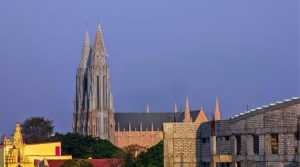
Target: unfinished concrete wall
255,130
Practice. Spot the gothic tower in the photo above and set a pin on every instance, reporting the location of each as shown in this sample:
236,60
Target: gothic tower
93,106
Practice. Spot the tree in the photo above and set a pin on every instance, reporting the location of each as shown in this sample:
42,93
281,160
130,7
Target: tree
154,156
76,163
37,129
134,149
128,160
87,146
2,137
84,147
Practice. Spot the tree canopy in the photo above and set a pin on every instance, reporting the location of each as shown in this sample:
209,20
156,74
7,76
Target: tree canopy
153,157
37,129
2,139
84,147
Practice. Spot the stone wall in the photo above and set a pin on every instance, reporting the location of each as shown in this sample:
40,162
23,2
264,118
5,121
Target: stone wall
181,144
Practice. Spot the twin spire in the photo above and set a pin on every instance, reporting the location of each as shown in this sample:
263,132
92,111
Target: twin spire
95,55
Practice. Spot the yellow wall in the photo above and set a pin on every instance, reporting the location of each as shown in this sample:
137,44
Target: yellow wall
35,152
41,149
3,150
1,157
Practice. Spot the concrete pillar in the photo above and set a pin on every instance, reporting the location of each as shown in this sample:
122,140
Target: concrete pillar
213,144
213,151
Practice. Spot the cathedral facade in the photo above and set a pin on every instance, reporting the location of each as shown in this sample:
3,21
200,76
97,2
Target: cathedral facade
93,107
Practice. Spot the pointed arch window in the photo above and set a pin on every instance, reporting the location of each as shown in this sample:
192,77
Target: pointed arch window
98,92
104,91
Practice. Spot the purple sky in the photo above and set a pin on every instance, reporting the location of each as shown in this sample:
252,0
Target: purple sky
160,51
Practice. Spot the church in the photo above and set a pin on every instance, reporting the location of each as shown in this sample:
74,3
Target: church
94,111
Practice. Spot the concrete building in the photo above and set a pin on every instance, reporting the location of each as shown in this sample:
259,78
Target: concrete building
265,136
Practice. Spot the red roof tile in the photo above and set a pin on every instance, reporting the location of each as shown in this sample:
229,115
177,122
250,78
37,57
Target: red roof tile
111,162
55,163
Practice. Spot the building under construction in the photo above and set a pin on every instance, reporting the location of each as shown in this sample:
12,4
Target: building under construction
265,136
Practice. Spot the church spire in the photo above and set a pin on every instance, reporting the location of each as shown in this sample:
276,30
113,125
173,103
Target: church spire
217,114
175,108
147,109
99,49
201,117
18,139
85,51
187,115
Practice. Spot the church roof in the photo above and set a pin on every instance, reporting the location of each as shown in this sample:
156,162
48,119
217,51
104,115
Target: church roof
122,120
201,117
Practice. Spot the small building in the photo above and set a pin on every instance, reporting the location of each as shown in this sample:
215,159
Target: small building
16,153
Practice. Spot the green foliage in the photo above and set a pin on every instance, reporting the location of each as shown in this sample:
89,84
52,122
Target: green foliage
153,157
37,129
128,160
84,147
76,163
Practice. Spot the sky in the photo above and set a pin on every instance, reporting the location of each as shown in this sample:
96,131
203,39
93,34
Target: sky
159,52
